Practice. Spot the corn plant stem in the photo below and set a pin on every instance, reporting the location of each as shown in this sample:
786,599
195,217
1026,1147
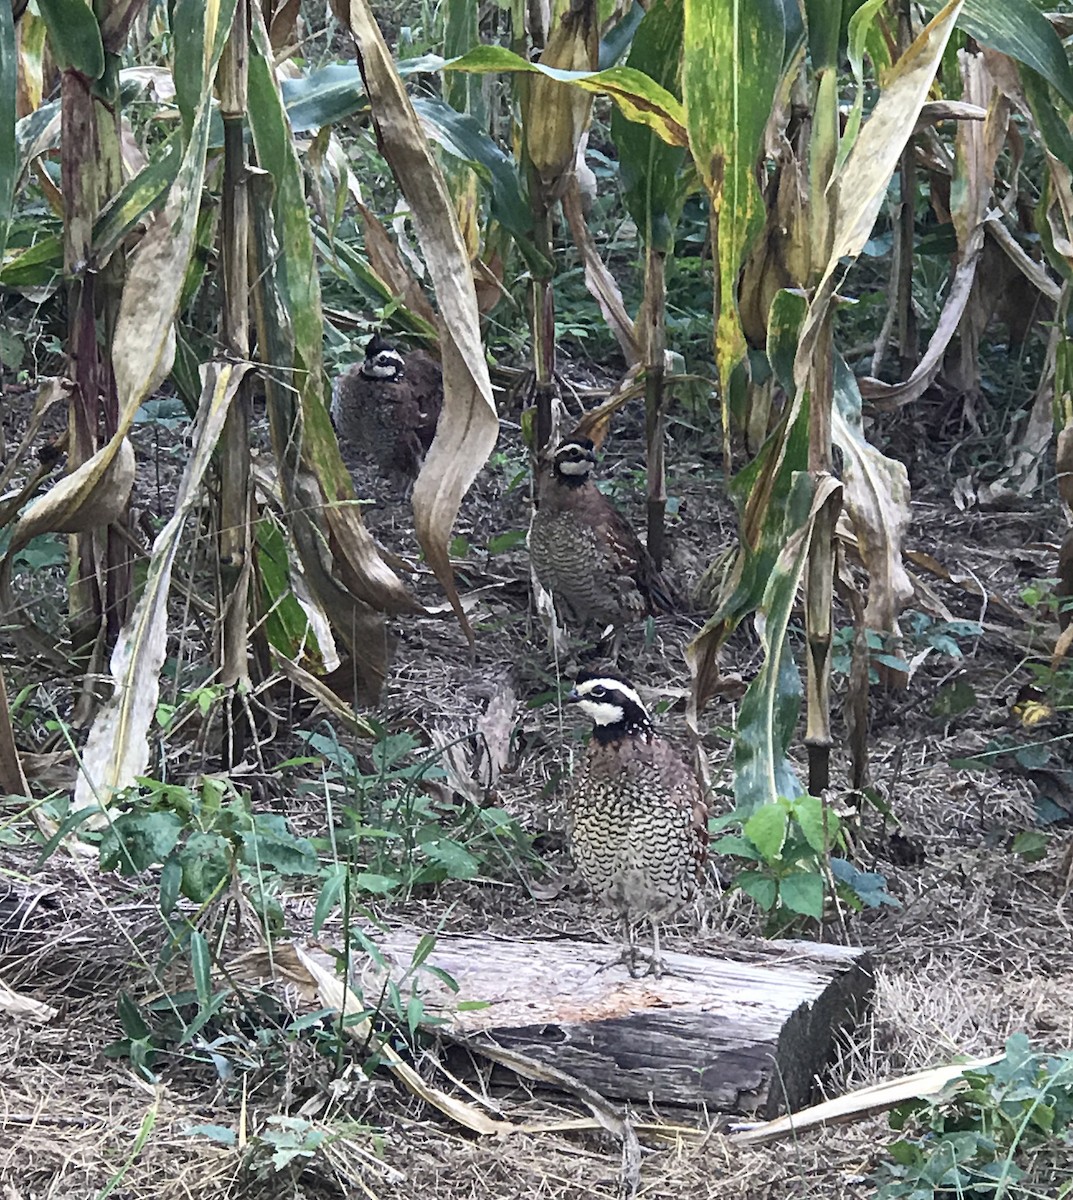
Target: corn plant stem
542,318
654,341
78,157
819,571
908,343
91,172
235,473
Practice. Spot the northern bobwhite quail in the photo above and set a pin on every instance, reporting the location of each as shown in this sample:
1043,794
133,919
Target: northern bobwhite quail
638,823
584,551
387,408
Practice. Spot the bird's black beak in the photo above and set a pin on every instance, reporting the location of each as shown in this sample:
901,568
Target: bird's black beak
573,696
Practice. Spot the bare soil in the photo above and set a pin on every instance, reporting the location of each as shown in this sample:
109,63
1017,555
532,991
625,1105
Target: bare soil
978,948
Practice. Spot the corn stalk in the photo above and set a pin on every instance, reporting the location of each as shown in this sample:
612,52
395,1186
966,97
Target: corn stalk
236,491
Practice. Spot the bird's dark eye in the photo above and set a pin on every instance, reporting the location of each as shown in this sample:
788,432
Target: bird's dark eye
598,691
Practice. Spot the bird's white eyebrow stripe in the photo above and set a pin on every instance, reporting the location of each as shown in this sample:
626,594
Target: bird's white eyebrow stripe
624,689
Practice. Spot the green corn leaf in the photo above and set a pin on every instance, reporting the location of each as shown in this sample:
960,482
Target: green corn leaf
286,624
276,153
861,24
1019,29
143,193
40,266
769,710
461,136
461,32
200,29
823,20
653,181
324,97
74,35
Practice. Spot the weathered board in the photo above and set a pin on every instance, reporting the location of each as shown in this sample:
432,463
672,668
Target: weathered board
745,1032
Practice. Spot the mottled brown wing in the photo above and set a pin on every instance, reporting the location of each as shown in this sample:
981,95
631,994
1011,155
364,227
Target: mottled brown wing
629,556
424,377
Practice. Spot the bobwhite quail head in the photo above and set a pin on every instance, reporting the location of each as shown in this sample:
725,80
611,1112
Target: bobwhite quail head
584,551
386,408
638,823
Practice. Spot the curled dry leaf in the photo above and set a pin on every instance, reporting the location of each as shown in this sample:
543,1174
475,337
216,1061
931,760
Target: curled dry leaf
23,1008
468,424
597,421
90,497
877,499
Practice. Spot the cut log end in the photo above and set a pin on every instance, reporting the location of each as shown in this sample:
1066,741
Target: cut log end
747,1032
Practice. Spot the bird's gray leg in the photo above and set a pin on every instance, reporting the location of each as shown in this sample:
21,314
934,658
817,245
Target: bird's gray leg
655,963
630,953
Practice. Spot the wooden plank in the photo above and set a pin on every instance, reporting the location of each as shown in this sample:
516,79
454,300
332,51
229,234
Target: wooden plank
745,1032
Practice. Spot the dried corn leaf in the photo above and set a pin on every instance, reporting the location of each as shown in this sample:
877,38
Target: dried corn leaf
865,1102
117,750
468,425
977,149
20,1007
598,279
385,260
877,499
91,496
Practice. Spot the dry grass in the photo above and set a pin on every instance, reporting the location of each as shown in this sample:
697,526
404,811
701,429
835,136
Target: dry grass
980,948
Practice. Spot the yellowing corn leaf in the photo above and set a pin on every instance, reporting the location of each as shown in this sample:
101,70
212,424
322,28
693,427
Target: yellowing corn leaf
468,424
117,750
638,97
555,115
731,68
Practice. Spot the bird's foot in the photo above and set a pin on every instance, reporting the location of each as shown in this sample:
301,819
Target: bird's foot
627,957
